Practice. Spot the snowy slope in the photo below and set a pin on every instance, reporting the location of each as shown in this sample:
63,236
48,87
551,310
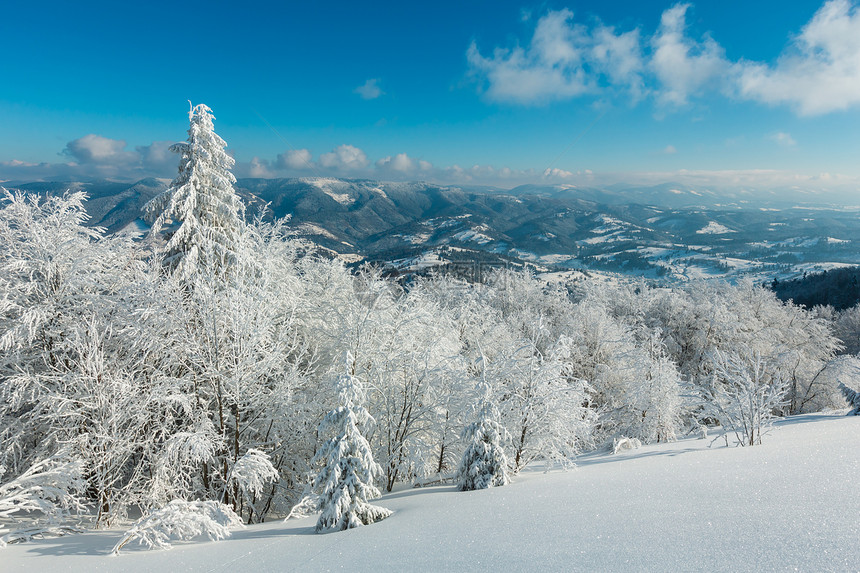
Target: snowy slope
789,504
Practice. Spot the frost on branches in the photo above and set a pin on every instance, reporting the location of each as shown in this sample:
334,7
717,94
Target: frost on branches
250,475
346,481
484,463
181,520
743,395
853,398
202,202
49,489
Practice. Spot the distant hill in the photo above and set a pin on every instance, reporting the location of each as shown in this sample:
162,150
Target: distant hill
112,205
664,231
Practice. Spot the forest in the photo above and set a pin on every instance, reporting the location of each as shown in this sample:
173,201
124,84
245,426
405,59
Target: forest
219,364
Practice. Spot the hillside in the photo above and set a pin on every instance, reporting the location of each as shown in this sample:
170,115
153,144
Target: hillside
789,504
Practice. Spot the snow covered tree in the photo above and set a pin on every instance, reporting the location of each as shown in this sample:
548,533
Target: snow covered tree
250,475
743,395
853,398
202,202
658,398
540,403
846,327
182,520
345,483
49,489
484,463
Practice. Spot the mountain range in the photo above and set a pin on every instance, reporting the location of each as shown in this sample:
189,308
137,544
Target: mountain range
666,230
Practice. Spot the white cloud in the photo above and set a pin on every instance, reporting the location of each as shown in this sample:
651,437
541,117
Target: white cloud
620,58
260,168
344,157
550,68
400,163
819,72
294,159
783,139
96,156
670,150
370,89
101,150
681,65
556,173
157,157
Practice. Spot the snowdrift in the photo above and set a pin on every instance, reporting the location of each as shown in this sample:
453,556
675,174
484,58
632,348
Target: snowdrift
789,504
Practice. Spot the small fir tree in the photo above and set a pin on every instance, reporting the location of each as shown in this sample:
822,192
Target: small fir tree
346,480
484,463
202,202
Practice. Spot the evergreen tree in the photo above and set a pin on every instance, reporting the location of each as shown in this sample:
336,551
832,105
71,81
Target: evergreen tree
202,202
346,481
484,463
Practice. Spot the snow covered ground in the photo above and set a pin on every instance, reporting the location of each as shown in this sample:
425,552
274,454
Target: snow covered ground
790,504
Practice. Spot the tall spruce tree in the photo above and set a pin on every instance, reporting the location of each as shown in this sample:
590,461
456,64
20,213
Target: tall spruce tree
200,203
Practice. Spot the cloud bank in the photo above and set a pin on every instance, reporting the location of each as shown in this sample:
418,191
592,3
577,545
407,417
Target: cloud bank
99,157
95,157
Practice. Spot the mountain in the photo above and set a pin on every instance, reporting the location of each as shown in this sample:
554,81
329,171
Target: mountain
657,231
111,204
673,195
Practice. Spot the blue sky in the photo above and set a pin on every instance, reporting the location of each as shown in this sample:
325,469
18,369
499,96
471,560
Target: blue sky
720,94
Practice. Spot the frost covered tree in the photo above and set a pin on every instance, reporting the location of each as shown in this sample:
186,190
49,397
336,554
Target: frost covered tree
414,368
345,483
484,463
743,395
541,405
62,370
201,203
846,327
853,398
50,489
181,519
52,269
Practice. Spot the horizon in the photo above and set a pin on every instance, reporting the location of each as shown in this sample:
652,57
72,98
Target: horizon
731,98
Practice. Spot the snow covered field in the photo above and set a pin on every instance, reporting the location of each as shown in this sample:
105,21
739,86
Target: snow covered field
789,504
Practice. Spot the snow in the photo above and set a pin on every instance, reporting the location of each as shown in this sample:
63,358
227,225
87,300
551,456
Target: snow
379,191
350,257
423,261
418,239
473,235
785,505
557,259
615,236
138,228
714,228
327,185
